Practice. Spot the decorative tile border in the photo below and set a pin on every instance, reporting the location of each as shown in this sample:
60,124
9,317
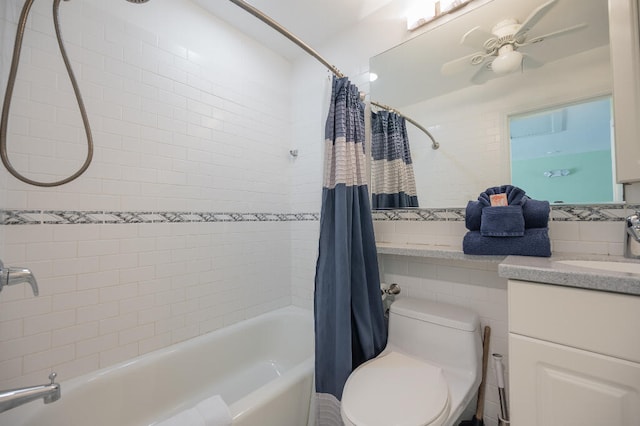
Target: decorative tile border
57,217
576,212
568,212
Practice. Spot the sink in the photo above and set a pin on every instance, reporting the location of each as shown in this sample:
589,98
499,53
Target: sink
628,267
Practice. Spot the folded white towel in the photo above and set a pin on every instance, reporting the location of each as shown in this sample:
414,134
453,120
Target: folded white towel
212,411
190,417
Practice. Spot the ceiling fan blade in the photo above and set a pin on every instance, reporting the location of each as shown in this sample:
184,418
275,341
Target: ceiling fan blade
554,34
476,38
529,62
458,65
483,75
533,18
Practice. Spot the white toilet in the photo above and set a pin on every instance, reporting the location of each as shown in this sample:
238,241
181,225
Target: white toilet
427,374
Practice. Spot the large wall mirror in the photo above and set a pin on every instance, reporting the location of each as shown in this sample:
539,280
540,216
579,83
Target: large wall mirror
469,110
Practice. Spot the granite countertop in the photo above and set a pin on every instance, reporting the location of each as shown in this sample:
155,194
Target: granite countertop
433,251
550,271
546,270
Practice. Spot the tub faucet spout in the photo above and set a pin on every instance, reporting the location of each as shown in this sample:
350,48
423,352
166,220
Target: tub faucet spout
12,398
13,276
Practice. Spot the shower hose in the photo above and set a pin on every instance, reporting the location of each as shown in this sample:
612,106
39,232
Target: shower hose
9,93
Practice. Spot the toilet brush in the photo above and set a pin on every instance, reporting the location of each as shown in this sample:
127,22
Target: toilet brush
478,419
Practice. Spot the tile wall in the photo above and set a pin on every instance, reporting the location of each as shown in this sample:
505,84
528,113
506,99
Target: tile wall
180,225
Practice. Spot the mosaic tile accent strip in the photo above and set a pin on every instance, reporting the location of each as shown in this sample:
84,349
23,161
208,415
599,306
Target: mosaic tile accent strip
569,212
577,212
453,214
57,217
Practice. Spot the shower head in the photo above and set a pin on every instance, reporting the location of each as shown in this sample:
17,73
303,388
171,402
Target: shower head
137,1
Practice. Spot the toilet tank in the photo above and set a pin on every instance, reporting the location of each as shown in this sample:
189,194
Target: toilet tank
443,334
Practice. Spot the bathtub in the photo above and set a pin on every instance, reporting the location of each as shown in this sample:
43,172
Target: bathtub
262,368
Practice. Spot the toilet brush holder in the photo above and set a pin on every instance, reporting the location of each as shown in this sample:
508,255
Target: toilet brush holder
503,417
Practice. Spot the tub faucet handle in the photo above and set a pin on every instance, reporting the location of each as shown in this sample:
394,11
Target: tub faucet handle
52,377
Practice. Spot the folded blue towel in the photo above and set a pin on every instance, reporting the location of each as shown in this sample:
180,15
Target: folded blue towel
502,221
534,242
514,194
535,212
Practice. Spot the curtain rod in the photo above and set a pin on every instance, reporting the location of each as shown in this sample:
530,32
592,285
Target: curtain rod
304,46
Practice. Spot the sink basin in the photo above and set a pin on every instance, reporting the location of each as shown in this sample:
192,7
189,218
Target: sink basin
631,268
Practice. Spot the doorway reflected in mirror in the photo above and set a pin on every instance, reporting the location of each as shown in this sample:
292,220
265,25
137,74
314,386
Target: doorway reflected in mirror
565,154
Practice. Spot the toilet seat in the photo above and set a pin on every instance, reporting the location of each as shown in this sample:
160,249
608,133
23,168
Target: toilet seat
395,390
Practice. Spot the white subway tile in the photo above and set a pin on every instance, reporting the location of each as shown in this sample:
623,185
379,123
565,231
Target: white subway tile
119,323
156,342
25,345
136,334
25,308
97,312
118,354
76,333
11,368
119,292
75,300
97,344
48,322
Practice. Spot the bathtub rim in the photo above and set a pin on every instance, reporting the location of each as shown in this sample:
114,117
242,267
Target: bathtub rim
28,411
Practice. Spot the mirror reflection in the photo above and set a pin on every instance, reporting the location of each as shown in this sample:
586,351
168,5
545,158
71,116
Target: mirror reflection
564,154
468,107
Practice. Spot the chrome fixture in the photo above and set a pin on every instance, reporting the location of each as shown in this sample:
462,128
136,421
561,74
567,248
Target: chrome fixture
6,106
13,276
12,398
392,290
632,236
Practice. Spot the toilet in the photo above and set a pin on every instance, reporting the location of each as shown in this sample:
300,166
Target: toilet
427,374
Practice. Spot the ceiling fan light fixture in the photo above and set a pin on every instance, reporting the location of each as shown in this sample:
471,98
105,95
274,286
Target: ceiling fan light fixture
508,60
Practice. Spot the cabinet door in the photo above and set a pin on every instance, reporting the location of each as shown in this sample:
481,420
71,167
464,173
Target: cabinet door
555,385
625,64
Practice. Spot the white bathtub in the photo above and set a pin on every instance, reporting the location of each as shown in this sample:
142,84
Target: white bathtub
262,368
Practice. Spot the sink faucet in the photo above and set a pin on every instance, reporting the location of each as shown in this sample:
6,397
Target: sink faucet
12,398
12,276
632,236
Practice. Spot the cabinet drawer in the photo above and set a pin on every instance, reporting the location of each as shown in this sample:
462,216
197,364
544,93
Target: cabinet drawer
601,322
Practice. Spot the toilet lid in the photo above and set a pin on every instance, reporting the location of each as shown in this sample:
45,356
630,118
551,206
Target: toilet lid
395,390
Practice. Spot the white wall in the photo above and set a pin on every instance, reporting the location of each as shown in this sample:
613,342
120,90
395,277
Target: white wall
188,115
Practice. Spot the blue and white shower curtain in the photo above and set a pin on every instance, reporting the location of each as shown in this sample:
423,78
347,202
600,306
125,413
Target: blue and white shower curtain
349,317
393,183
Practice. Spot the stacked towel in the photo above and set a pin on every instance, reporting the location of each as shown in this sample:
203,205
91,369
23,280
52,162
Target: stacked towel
535,212
520,228
534,242
212,411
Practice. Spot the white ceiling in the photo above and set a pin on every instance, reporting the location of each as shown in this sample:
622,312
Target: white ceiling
314,22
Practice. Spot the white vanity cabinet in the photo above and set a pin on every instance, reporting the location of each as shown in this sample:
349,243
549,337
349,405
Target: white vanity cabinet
574,356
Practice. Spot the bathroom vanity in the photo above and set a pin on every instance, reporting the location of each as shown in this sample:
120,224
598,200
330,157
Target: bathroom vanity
574,341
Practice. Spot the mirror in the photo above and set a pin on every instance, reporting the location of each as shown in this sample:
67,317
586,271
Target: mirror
468,111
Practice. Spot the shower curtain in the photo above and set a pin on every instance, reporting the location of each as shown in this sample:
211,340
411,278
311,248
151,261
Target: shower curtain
349,318
393,184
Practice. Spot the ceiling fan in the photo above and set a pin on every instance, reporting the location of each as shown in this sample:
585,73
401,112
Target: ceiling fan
499,49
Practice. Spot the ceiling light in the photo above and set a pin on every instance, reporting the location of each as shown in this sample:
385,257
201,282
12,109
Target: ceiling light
508,60
373,76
